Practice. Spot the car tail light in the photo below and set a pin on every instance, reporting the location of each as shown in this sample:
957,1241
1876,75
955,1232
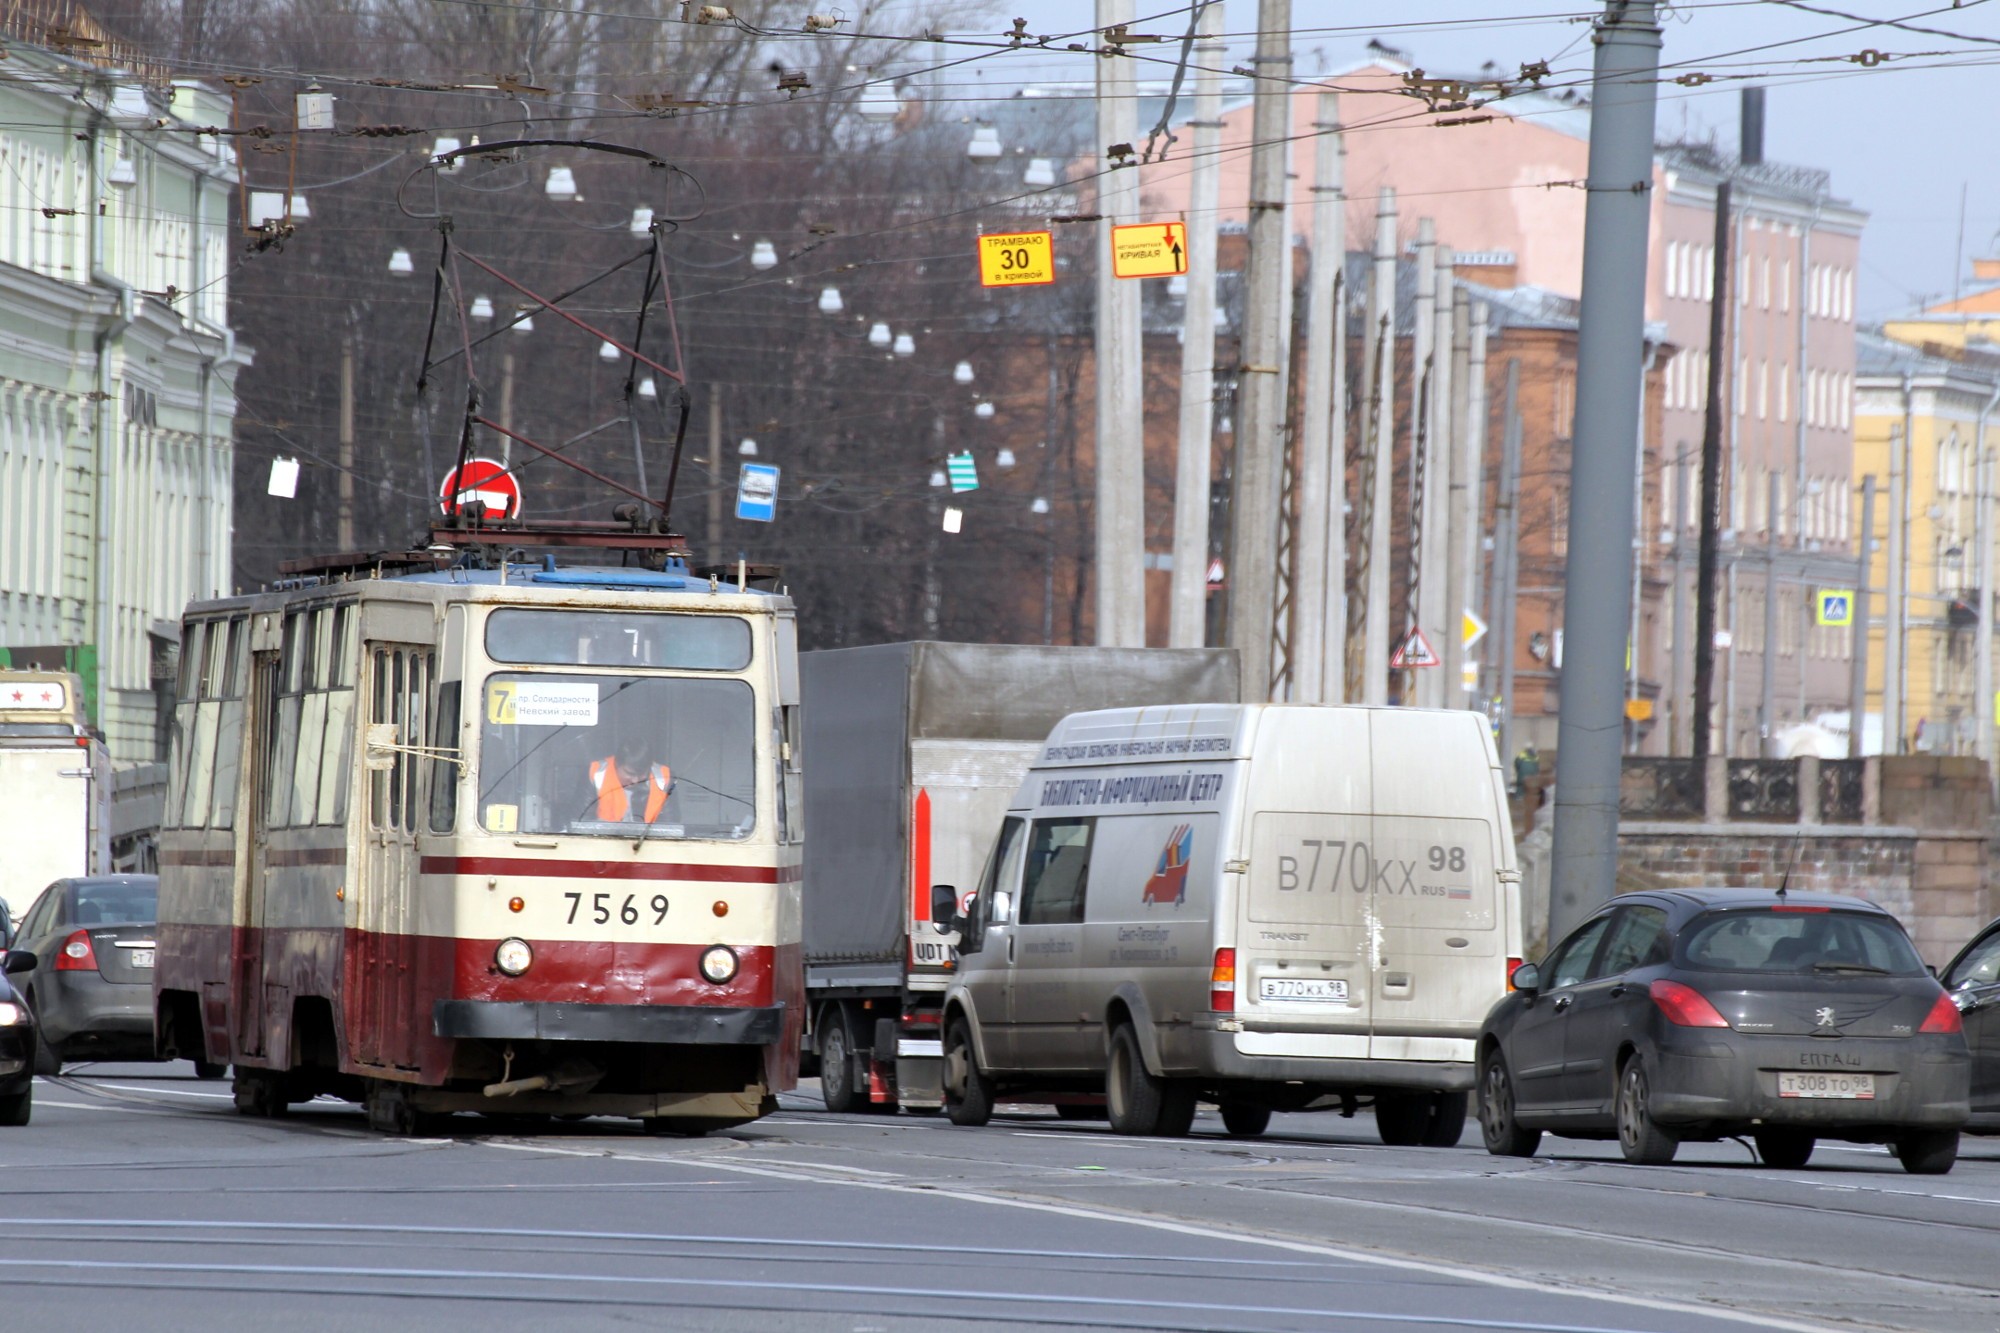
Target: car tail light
76,954
1513,966
1685,1006
1943,1017
1222,982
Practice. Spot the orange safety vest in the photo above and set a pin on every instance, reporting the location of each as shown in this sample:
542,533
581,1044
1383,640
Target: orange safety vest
614,805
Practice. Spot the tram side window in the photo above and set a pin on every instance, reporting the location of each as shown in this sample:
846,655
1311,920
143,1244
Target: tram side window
284,742
400,697
186,755
313,743
337,748
444,773
231,671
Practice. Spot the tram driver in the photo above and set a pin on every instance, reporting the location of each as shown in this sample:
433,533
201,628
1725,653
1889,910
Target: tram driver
632,783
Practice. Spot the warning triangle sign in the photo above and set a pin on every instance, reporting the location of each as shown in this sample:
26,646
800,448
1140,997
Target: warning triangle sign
1414,652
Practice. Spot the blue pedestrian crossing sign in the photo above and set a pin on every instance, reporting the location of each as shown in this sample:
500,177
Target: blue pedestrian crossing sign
757,493
963,472
1834,606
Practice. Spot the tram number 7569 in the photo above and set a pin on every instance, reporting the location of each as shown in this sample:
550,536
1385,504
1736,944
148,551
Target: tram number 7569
603,907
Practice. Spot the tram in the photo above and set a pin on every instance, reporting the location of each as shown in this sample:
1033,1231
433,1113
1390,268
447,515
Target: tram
517,839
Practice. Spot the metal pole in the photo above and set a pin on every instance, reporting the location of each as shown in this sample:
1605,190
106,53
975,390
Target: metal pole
1381,352
1460,525
345,537
1260,423
715,475
1632,624
1187,610
1422,329
1507,543
1468,481
1766,704
1318,595
1677,731
1892,635
1121,509
1436,615
1706,551
1857,677
1610,365
1982,675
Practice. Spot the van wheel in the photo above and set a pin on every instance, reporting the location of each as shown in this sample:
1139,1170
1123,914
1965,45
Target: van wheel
1928,1152
836,1063
1138,1103
1640,1137
1504,1135
1420,1119
1244,1121
968,1092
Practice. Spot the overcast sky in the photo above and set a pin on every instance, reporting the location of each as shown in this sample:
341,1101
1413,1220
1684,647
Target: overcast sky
1900,139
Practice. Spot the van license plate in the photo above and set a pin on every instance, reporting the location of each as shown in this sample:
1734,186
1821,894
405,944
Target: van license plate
141,957
1844,1087
1330,990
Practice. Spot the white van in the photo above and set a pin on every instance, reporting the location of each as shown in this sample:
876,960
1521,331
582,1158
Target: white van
1271,907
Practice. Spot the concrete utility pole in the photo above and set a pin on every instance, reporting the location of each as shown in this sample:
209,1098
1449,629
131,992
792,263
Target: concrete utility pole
1767,717
1676,703
1187,610
1422,329
1982,667
1857,680
1381,416
1440,622
1507,554
345,537
1468,370
1892,631
715,474
1260,423
1610,365
1121,495
1319,595
1707,549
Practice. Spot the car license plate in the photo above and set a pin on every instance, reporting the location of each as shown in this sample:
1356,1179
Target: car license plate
1312,990
1842,1087
141,957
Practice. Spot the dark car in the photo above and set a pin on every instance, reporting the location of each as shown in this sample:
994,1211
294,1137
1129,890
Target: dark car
92,983
1699,1014
18,1041
1973,981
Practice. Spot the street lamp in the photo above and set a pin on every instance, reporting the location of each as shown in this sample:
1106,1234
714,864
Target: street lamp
937,477
1005,458
962,373
748,448
985,145
446,144
642,220
399,263
1040,506
482,308
763,255
525,324
607,350
561,184
878,101
1040,175
878,335
905,345
646,389
829,301
301,210
983,411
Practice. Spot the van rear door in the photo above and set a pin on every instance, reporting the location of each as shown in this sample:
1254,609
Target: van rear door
1303,979
1439,905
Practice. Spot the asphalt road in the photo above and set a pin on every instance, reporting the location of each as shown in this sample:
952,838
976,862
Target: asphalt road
138,1199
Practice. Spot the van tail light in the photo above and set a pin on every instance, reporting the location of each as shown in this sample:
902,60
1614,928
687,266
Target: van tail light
76,954
1513,966
1222,982
1685,1006
1943,1017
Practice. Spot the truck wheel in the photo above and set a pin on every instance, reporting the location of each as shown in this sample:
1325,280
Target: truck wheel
1244,1121
968,1092
1136,1101
836,1064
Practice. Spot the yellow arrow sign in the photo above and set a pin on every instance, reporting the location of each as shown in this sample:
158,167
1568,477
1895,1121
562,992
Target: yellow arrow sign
1149,250
1017,259
1471,628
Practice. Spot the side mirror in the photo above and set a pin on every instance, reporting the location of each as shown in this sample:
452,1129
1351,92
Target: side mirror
1527,979
21,960
944,905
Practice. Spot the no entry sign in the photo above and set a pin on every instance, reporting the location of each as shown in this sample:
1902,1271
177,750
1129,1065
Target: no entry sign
486,481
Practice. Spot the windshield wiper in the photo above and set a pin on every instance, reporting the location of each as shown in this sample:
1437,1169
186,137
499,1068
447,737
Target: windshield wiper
1851,967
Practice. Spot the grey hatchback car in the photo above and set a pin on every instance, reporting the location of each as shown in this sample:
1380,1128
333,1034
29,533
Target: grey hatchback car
91,988
1699,1014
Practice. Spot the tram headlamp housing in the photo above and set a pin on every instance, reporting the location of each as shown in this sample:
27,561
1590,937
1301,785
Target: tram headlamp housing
513,956
718,964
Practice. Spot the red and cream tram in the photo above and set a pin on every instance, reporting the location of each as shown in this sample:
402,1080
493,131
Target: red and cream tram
520,840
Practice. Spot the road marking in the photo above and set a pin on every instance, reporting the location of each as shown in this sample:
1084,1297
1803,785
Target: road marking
97,1106
828,1166
167,1092
1434,1268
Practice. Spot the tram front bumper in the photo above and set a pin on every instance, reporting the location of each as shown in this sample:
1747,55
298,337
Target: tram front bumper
664,1025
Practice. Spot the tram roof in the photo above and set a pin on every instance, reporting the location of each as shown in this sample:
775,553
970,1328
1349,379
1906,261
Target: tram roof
530,581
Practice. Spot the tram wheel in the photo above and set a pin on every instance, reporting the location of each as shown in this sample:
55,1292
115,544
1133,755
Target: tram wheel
259,1092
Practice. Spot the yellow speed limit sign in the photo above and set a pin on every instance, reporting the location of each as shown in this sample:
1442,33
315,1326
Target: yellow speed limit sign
1017,259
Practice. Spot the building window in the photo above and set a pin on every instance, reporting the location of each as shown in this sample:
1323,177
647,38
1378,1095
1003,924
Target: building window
1784,391
1763,388
1785,286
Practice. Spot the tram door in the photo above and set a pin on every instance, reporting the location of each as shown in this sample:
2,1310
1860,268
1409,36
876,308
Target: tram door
391,1028
247,939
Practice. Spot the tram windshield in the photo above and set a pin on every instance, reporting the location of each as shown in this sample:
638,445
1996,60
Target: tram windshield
623,757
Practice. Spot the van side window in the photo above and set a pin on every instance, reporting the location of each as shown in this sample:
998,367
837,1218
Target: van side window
1058,869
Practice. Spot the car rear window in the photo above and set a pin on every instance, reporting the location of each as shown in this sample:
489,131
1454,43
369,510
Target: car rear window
1791,939
113,902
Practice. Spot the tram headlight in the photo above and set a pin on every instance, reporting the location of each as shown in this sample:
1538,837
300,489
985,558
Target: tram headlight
513,956
718,964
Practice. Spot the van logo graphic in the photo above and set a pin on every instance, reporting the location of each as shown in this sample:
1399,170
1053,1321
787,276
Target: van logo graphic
1169,880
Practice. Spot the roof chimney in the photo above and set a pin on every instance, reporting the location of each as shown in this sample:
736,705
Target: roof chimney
1750,131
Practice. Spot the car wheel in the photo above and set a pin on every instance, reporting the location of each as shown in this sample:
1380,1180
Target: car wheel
836,1065
1929,1152
1503,1135
15,1110
47,1059
1244,1121
1786,1149
1135,1101
968,1092
209,1069
1641,1139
